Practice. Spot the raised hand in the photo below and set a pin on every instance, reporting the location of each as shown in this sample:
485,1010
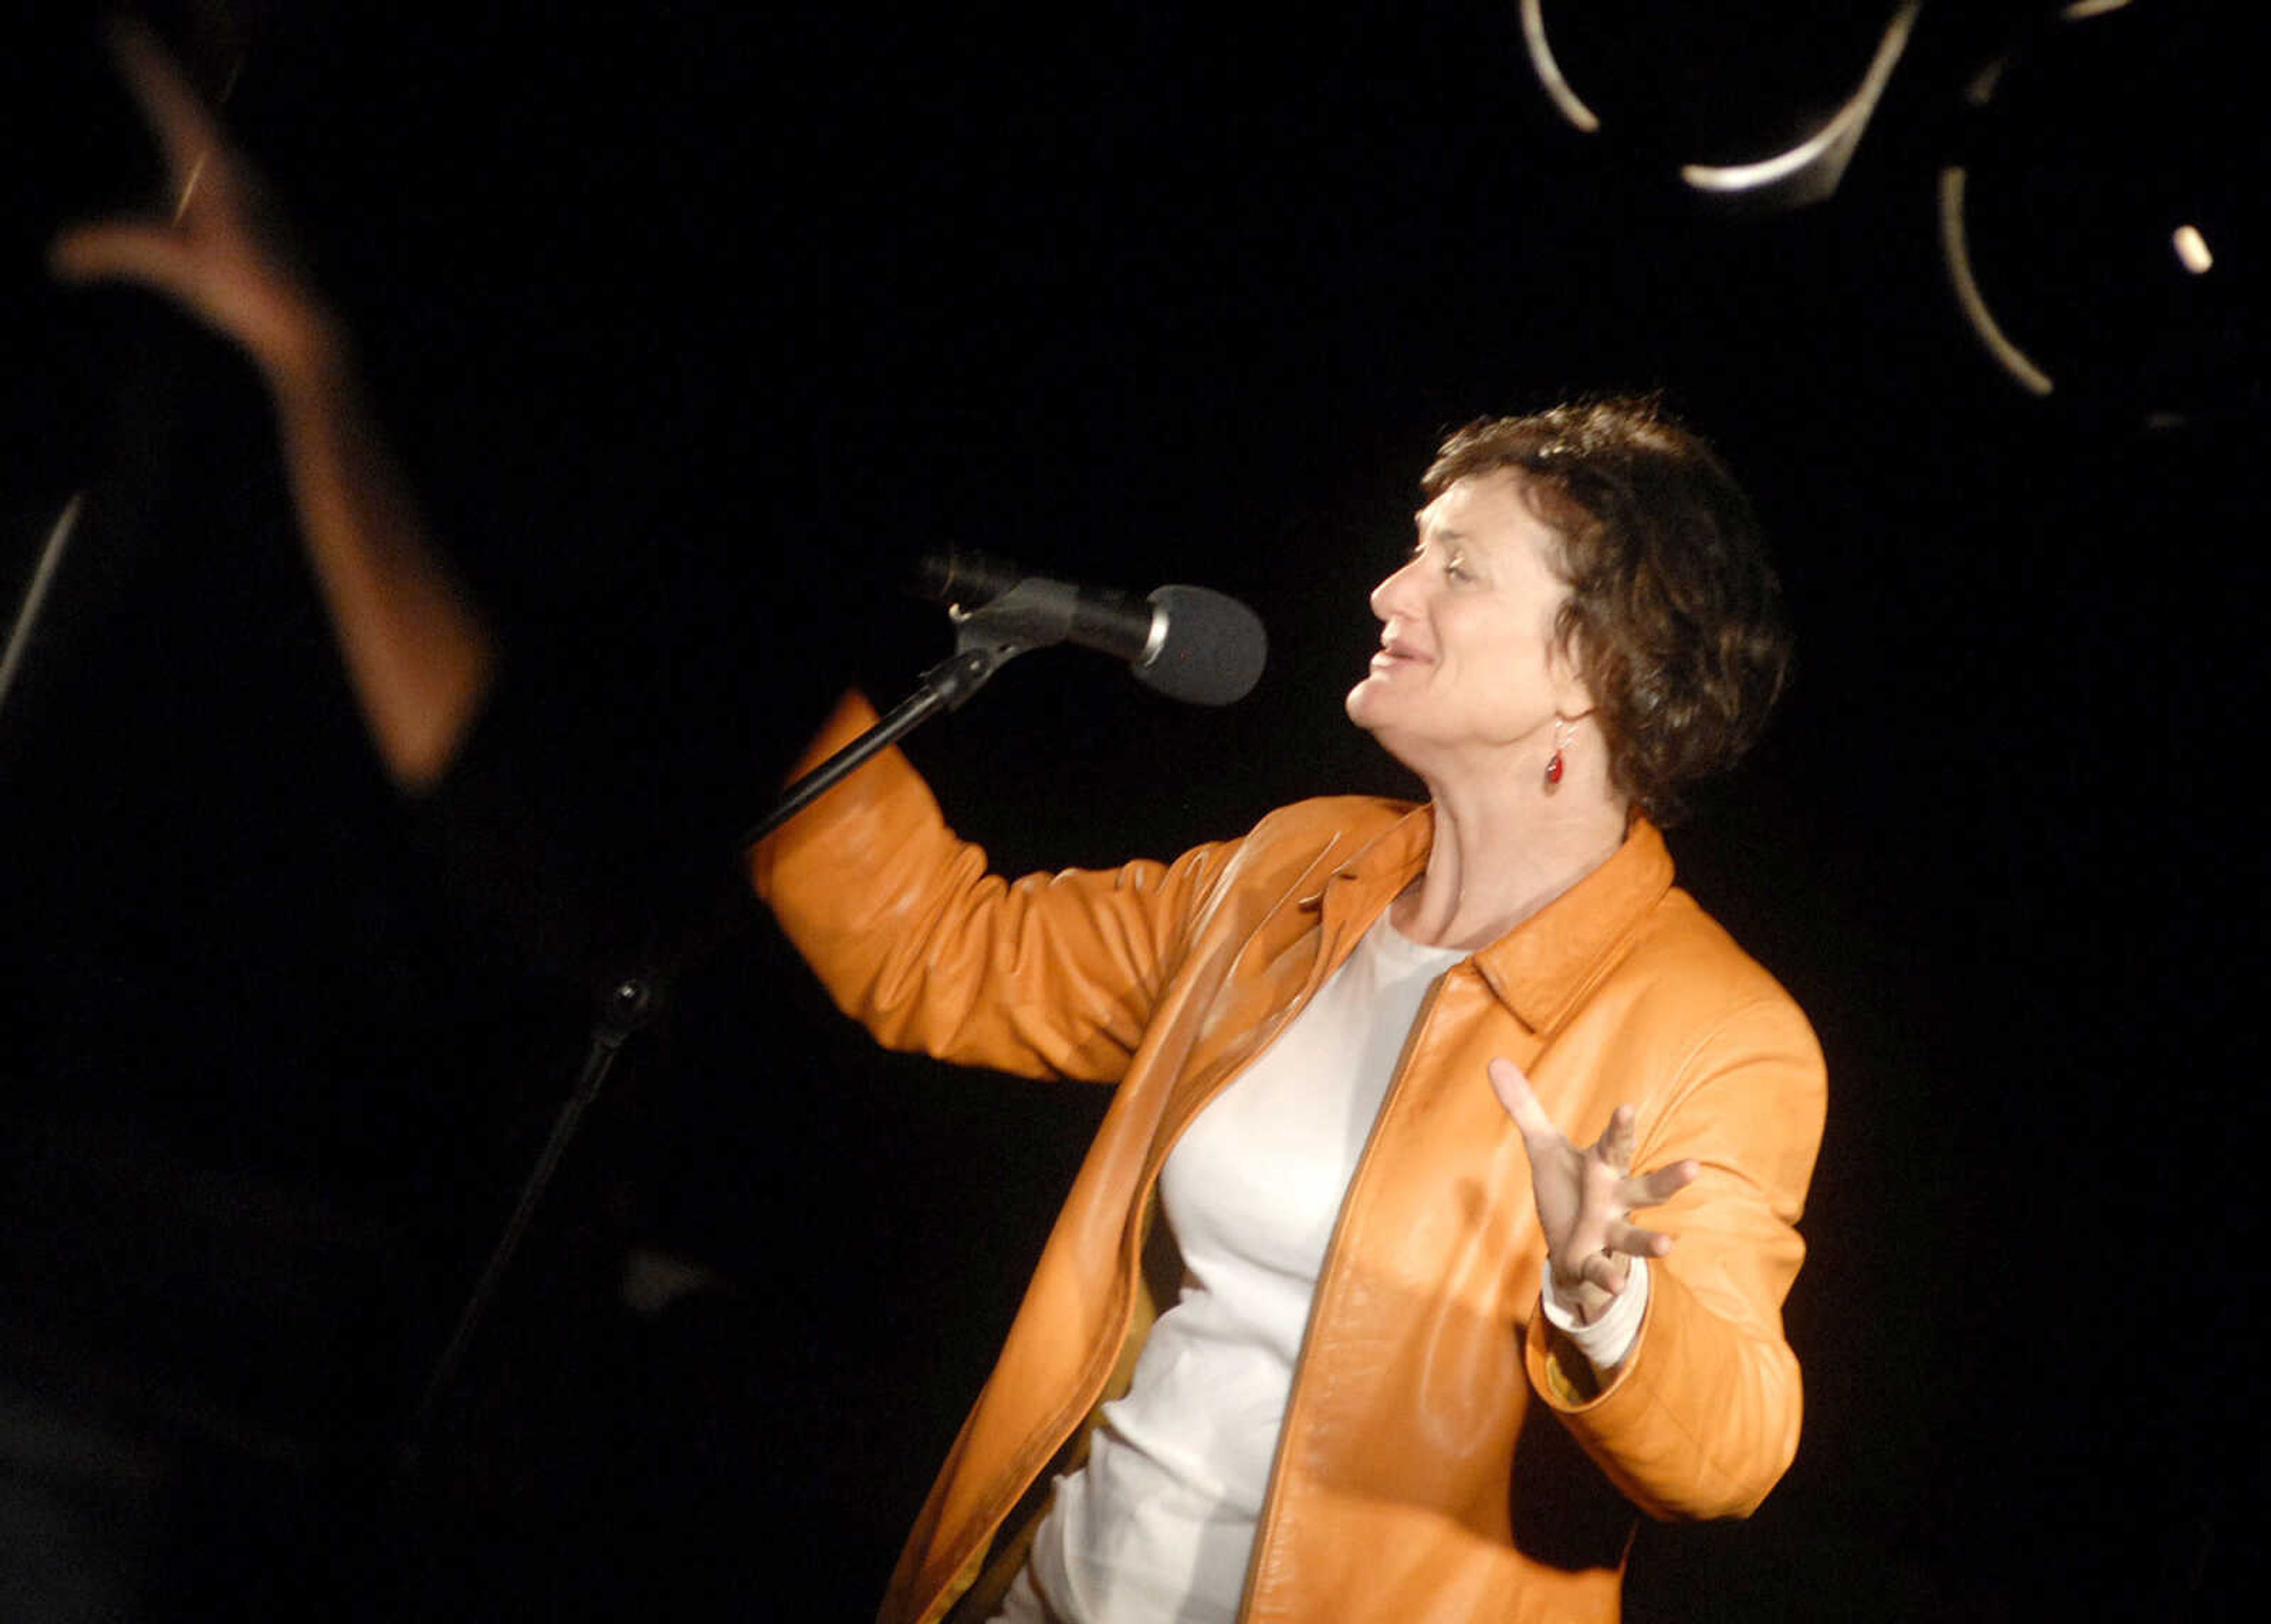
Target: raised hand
1585,1196
219,253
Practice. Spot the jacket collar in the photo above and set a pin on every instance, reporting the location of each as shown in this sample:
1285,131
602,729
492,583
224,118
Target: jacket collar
1544,964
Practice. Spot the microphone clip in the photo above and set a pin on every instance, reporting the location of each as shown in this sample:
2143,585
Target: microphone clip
1034,614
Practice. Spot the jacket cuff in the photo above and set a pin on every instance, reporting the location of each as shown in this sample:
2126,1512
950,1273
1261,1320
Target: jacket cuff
878,781
1687,1427
1603,1343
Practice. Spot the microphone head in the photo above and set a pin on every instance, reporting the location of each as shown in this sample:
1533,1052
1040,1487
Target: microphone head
1213,648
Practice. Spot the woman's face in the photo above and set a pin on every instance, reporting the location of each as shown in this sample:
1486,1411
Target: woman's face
1468,669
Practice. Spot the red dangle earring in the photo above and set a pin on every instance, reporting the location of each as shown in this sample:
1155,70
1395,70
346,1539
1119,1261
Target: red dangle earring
1563,731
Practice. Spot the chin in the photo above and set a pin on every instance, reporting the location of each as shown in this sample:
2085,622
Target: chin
1366,716
1375,713
1366,701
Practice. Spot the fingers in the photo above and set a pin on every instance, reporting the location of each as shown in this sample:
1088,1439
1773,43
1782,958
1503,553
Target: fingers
185,130
1654,1187
1631,1240
1605,1270
1615,1145
1521,1101
151,255
1614,1148
144,250
1609,1269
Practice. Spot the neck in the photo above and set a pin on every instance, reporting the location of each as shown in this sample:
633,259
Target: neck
1503,849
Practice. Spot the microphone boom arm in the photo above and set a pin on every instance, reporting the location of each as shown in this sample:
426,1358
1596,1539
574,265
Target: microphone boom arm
1034,614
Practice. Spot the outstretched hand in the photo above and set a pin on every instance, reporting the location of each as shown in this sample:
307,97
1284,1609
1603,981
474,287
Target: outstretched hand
1585,1196
219,253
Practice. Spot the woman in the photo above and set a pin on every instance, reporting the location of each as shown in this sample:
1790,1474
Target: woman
1336,1322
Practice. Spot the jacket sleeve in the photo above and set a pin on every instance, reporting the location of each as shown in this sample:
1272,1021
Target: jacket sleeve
1701,1418
1051,975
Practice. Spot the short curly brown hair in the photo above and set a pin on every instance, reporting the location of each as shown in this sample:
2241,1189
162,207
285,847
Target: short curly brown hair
1674,615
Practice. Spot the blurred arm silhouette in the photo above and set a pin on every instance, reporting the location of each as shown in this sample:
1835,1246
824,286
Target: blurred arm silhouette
420,659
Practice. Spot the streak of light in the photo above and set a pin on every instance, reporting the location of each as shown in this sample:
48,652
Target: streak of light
28,616
1980,90
189,187
1958,251
1830,147
1549,71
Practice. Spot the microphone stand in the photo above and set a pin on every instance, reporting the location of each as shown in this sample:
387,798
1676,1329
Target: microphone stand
1033,615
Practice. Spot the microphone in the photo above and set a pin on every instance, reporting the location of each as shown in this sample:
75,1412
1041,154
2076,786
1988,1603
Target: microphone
1187,642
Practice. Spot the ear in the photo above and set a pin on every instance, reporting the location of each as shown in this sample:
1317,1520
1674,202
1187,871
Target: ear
1565,669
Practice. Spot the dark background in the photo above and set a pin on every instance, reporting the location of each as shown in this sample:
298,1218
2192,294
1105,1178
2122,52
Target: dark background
694,324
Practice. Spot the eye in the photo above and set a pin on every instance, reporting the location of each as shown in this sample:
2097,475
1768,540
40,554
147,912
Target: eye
1449,559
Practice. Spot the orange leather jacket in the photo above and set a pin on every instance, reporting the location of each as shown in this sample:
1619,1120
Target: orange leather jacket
1444,1456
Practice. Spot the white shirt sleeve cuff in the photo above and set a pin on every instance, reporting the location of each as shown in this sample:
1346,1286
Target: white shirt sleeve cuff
1608,1339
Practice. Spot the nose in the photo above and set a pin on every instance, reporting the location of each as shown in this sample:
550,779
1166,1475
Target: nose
1394,591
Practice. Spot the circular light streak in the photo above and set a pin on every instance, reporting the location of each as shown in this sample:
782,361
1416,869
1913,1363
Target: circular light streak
1957,250
2102,157
1638,51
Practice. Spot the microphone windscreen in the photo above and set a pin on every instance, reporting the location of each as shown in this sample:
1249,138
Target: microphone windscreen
1213,648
